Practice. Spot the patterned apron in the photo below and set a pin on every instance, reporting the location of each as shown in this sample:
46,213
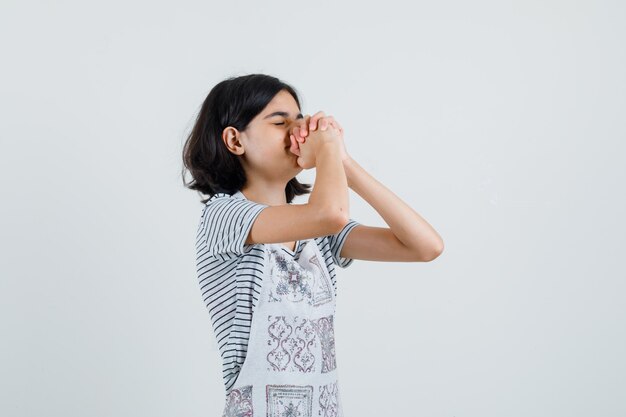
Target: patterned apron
290,368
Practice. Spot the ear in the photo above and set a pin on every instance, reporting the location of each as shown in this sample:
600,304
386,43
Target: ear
232,140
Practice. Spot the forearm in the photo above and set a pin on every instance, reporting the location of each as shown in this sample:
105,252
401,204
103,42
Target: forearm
331,185
408,226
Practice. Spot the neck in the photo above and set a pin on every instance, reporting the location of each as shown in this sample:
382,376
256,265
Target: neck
264,193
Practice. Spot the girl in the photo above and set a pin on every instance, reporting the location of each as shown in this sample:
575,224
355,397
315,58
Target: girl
266,267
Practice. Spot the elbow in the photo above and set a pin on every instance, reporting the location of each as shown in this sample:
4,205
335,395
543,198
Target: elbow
331,219
435,252
337,221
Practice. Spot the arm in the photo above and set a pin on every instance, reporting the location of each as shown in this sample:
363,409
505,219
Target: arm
326,212
331,184
408,238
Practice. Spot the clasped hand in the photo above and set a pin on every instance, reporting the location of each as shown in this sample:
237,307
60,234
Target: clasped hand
302,129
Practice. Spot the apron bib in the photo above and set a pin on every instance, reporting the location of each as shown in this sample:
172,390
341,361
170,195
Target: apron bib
290,367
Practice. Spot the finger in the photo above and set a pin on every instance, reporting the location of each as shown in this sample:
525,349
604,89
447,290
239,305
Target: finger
327,122
336,127
334,123
294,145
304,127
314,119
298,132
298,126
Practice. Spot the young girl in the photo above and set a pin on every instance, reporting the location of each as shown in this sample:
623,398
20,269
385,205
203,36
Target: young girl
266,267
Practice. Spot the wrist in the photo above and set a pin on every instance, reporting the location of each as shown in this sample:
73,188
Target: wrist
347,160
328,146
348,168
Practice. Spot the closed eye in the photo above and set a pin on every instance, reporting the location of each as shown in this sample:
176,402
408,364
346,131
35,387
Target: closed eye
280,123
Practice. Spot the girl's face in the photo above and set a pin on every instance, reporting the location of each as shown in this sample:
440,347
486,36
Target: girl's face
266,141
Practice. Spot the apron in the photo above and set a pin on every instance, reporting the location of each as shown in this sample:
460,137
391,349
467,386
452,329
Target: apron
290,367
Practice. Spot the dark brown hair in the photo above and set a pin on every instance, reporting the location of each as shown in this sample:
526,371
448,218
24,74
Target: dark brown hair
232,102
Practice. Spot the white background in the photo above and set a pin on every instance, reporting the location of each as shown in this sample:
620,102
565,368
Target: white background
502,123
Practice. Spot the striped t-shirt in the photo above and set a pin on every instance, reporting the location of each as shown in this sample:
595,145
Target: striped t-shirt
230,271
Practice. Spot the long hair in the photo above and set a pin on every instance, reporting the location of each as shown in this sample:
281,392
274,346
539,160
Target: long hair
232,102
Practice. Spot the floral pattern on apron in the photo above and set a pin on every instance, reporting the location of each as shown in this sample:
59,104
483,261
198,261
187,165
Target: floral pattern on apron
290,368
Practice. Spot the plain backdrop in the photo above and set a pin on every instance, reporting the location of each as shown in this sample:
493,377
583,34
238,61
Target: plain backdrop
501,123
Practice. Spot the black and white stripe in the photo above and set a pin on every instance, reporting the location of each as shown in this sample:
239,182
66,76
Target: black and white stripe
230,272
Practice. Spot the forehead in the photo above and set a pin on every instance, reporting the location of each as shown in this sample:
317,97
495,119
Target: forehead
283,104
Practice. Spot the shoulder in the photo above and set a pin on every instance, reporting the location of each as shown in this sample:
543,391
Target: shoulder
226,205
225,223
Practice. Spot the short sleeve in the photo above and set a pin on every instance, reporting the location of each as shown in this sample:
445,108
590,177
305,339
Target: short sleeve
337,241
226,224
